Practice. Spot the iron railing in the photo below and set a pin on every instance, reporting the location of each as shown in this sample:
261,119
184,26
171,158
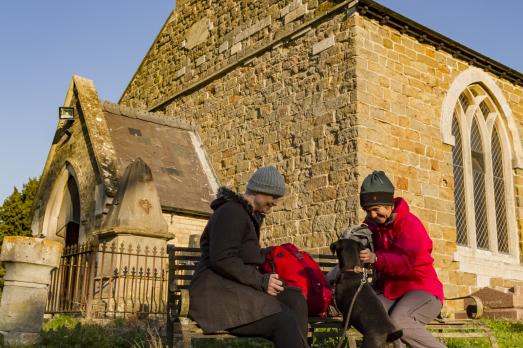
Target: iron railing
110,280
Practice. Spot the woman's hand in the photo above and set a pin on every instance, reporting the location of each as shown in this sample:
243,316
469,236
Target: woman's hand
367,256
275,285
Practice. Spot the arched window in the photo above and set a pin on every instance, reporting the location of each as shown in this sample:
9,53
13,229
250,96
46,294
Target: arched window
479,166
499,193
459,189
477,122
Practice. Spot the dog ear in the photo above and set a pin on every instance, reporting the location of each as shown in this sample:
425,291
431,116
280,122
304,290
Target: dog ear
364,242
333,247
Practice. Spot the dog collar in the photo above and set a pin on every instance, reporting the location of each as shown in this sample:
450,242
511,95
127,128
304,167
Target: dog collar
357,269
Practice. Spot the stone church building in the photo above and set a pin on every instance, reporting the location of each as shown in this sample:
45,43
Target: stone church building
325,90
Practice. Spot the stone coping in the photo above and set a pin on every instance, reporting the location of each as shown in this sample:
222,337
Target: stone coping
37,251
130,231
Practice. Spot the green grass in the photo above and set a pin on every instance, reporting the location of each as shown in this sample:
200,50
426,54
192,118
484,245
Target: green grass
508,335
65,331
232,343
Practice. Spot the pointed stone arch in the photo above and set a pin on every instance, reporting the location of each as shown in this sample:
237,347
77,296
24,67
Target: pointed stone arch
62,213
462,81
485,237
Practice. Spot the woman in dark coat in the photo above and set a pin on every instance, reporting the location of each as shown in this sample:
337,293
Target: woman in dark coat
227,291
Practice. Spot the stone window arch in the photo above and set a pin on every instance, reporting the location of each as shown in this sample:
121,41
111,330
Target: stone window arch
478,124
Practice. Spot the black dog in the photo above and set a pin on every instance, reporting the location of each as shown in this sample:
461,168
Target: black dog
368,314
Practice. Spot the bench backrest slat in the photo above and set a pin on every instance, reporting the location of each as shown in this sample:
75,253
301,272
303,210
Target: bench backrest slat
187,249
187,267
187,257
185,260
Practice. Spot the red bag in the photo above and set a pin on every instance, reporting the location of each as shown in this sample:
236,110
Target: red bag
297,268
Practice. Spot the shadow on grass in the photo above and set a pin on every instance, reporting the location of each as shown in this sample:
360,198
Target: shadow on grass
65,331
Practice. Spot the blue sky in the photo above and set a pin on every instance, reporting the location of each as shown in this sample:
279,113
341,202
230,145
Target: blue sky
43,43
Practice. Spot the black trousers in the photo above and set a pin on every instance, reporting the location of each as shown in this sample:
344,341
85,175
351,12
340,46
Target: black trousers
287,329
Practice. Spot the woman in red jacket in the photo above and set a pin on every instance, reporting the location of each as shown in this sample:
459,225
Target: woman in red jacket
408,285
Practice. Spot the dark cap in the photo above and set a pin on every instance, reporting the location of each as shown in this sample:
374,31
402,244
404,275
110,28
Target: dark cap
376,189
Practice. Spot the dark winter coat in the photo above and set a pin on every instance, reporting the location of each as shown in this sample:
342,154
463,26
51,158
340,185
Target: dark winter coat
227,289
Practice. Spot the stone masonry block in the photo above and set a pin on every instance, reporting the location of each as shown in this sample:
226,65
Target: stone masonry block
323,45
297,13
252,29
223,47
236,48
290,7
180,73
200,60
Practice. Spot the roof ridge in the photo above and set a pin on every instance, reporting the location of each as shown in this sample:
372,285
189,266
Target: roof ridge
144,115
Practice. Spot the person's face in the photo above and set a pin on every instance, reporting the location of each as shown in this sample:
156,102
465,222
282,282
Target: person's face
378,213
263,203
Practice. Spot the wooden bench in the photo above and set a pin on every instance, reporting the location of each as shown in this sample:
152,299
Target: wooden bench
181,330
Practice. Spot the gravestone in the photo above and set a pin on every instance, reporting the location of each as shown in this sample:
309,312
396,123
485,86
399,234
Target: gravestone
498,303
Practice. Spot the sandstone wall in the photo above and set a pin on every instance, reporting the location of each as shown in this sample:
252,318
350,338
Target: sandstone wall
333,100
401,87
293,107
185,229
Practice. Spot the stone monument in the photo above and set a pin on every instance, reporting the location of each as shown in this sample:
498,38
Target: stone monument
29,262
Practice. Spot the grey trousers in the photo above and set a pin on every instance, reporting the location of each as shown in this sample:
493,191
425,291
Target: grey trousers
411,313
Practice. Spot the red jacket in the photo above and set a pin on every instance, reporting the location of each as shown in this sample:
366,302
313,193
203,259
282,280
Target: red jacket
404,249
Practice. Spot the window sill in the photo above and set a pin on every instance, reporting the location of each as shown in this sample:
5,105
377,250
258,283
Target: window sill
486,265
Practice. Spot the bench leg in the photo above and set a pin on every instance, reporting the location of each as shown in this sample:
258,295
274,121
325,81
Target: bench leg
352,342
185,342
170,334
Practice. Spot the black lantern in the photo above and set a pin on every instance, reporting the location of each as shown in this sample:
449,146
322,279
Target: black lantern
66,113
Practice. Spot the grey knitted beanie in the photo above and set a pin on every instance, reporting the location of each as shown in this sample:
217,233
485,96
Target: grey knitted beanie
267,180
376,189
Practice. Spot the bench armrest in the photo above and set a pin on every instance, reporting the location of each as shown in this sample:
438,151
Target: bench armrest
474,311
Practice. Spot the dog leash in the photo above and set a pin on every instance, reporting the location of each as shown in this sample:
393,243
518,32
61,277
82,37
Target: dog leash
349,312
